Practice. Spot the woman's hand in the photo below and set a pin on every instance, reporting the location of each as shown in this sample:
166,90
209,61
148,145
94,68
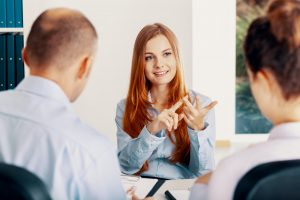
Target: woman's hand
167,119
194,114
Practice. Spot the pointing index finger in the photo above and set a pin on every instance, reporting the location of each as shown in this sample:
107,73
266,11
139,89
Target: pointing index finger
176,106
187,103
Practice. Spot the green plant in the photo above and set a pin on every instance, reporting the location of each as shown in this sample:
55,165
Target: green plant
248,117
242,23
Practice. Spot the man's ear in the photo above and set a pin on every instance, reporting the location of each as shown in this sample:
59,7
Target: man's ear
85,66
24,56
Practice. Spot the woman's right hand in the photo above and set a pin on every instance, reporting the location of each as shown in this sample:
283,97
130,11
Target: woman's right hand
167,119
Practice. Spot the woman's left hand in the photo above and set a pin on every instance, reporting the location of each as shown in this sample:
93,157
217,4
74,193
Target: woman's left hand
194,114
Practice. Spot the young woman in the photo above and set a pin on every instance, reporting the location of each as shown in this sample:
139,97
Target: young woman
272,52
163,130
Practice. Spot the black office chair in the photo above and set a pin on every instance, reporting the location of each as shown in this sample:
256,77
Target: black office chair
18,183
274,181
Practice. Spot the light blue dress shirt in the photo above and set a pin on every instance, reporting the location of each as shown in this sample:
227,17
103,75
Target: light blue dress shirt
40,132
157,149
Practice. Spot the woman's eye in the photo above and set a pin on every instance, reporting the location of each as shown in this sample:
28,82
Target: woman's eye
167,54
148,58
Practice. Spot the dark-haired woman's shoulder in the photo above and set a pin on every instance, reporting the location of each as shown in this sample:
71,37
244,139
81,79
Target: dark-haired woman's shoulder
205,100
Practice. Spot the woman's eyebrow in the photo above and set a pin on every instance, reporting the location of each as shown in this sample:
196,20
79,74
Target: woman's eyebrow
168,49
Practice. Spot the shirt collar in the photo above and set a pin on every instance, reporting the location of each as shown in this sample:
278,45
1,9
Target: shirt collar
43,87
152,110
286,130
150,97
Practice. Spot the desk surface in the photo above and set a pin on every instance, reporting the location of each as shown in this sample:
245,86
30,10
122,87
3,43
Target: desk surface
145,186
182,184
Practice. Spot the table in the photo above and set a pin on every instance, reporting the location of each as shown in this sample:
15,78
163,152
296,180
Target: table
181,184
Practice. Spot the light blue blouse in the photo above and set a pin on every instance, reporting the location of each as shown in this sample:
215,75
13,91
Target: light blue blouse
158,148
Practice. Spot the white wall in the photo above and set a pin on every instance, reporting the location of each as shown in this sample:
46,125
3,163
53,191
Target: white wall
118,23
214,58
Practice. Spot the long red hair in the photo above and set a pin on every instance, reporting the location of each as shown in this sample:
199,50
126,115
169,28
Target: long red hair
136,114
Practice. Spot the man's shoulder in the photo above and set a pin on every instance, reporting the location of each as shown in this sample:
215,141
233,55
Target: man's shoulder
87,139
5,95
58,119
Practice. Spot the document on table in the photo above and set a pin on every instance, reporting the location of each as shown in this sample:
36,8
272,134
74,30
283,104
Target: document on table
143,185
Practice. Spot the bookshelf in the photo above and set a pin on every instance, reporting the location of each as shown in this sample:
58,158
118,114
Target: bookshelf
11,30
11,43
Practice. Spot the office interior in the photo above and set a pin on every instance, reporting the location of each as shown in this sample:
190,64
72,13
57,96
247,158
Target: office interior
207,47
207,41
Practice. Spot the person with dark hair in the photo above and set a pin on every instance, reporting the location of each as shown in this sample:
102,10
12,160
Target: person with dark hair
272,51
40,131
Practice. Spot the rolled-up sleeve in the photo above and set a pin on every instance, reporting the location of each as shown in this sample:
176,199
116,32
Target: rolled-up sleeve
202,145
133,152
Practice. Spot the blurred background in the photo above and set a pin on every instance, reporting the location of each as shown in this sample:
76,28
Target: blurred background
248,117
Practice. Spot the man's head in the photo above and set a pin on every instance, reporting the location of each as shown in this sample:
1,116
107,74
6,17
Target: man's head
60,47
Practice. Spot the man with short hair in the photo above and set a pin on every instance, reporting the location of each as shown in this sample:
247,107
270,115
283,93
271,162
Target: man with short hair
38,128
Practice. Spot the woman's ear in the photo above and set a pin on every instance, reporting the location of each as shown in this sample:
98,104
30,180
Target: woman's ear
263,78
268,82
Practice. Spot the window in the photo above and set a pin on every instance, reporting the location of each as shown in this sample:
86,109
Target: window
248,118
214,61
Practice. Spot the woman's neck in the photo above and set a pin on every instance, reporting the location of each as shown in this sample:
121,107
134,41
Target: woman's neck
159,95
290,112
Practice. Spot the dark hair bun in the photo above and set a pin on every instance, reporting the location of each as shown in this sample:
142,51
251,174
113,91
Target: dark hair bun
284,17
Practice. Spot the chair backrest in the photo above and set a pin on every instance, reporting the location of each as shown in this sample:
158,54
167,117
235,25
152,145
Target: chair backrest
274,180
19,183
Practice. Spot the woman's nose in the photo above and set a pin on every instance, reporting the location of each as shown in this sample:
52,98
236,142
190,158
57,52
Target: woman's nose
159,63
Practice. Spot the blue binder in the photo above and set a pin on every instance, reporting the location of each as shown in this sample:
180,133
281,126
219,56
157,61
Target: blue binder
10,67
2,13
2,62
10,13
18,13
19,43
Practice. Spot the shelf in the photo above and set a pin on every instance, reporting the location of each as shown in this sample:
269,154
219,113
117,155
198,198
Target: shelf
11,30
